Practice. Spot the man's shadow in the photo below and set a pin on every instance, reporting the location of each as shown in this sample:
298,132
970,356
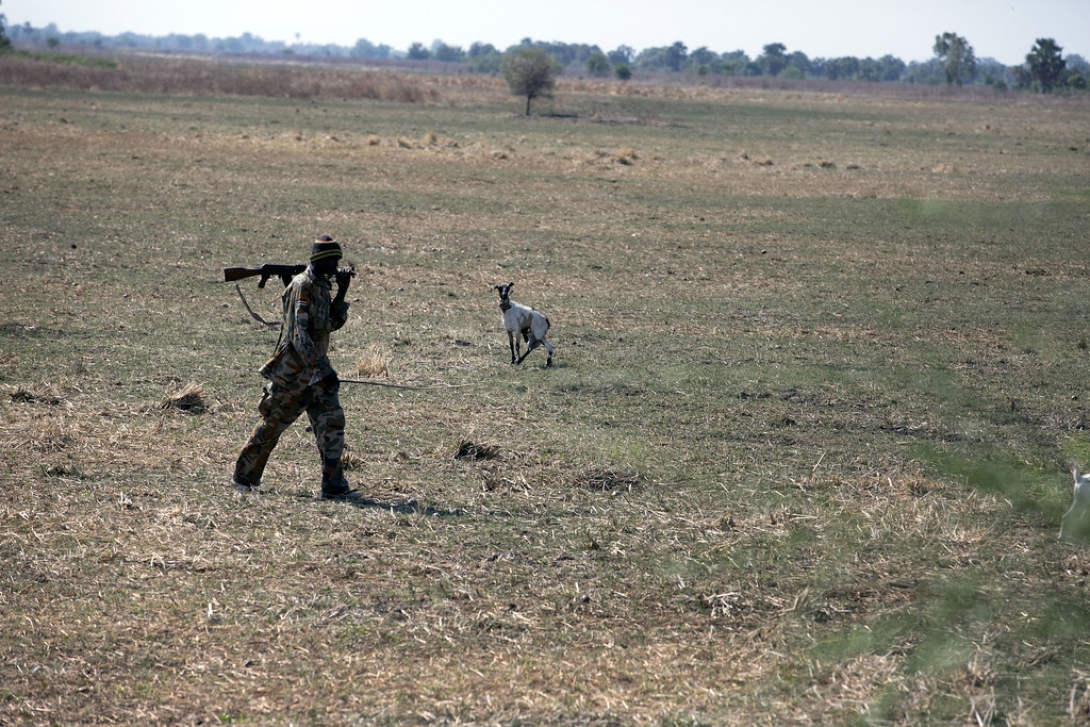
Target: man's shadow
402,507
405,507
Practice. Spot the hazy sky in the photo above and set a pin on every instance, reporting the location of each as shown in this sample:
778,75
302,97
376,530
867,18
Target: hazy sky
1000,29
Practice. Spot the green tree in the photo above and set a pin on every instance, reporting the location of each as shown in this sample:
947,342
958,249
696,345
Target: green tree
845,68
1077,72
676,55
733,63
449,53
1046,65
703,57
417,52
773,61
956,56
5,42
622,54
598,64
868,69
651,58
479,49
890,68
801,61
1022,77
366,49
484,58
623,71
530,72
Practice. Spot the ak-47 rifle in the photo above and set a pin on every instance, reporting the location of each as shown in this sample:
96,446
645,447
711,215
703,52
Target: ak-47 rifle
285,273
266,271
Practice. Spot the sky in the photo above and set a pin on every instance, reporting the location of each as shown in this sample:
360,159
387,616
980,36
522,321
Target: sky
1001,29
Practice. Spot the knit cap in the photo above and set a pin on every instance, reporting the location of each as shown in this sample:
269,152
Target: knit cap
325,247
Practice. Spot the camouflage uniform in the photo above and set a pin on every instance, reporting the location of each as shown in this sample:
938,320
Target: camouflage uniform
301,379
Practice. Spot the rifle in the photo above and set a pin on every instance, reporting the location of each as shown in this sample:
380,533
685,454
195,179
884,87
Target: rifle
266,271
284,272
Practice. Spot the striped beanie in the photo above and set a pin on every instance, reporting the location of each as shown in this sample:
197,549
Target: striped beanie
325,247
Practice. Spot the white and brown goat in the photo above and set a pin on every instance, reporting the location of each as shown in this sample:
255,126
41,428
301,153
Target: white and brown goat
520,320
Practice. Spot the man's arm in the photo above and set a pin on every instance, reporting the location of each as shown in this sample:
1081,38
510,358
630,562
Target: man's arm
302,300
338,308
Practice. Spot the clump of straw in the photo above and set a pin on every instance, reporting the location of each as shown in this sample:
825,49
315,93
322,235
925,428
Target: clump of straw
374,364
190,398
469,449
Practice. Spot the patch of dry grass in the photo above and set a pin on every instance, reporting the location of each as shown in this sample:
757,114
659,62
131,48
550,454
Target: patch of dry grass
800,458
191,398
374,363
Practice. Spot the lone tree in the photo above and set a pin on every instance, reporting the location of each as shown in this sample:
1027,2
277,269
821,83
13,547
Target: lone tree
1046,65
530,72
956,57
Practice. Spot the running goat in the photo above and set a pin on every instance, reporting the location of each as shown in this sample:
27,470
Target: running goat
527,322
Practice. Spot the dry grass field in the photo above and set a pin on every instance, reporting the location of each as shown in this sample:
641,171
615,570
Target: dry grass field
821,375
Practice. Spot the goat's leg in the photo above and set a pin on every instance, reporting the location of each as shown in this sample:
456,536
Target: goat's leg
1073,522
535,343
531,345
511,343
526,336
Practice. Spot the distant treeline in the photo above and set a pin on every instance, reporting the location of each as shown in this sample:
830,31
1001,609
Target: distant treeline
622,62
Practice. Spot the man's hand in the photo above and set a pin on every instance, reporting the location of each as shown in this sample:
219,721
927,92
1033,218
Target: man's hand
344,277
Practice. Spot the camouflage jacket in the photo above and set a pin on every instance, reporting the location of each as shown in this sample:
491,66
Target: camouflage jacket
309,317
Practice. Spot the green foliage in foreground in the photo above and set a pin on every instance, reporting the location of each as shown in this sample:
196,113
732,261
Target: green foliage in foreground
821,375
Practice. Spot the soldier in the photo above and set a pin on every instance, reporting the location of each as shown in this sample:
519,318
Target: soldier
301,377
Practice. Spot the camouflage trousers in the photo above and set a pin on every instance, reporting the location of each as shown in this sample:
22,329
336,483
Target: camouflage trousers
282,404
